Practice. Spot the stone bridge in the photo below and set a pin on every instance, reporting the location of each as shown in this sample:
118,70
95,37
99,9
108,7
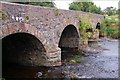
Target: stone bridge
34,35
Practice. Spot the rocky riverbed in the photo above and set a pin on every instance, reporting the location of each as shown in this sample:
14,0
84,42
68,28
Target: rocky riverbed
99,62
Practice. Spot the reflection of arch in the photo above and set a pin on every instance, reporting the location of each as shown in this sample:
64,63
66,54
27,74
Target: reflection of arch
23,48
98,26
69,37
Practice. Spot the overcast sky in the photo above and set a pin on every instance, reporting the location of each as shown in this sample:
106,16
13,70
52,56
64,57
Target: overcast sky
103,4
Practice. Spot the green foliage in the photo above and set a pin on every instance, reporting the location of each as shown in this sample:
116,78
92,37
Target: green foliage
109,31
84,25
110,26
46,4
96,30
110,11
113,33
118,11
88,34
95,34
103,27
86,7
109,20
84,41
76,6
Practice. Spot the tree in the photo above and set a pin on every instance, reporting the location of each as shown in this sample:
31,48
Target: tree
76,6
118,11
110,11
46,4
86,7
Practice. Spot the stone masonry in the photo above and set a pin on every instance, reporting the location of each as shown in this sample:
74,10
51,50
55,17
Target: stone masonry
49,28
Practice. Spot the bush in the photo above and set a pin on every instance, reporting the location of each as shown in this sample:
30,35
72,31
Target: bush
84,25
113,33
110,27
103,28
111,20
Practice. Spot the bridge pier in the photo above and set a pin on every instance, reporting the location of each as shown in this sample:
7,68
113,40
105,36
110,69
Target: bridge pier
54,58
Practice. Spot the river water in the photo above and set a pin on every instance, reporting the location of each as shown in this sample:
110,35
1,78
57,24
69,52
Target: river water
100,65
103,64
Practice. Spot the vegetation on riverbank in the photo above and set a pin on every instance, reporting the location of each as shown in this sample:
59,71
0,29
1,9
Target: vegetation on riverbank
84,26
110,27
76,58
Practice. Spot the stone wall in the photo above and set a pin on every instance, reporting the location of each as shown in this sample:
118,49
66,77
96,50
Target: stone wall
46,24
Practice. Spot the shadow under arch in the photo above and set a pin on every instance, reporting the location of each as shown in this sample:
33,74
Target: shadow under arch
23,49
69,40
98,26
69,37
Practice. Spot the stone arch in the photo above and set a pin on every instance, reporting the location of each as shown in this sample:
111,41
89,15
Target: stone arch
24,49
69,37
17,27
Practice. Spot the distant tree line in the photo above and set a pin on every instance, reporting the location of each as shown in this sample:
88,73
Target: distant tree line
111,11
47,4
79,6
85,6
91,7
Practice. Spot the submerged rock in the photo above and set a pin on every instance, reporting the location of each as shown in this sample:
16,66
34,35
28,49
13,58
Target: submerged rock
39,74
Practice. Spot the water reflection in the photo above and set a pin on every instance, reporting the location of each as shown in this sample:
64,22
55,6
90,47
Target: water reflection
17,71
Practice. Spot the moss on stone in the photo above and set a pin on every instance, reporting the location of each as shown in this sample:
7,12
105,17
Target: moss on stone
3,15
